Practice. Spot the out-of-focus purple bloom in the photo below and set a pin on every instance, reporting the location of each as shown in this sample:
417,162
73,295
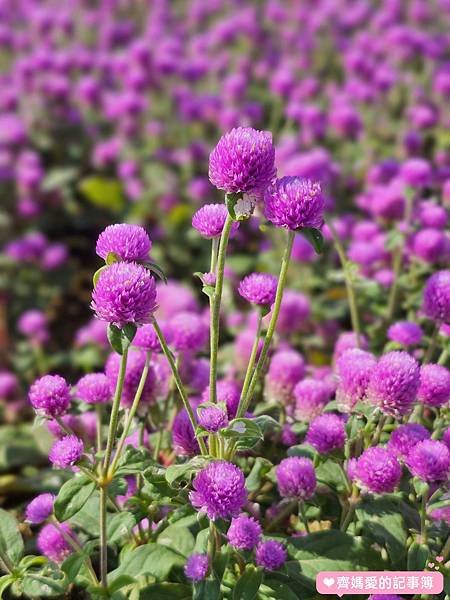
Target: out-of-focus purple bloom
66,452
406,333
293,202
188,332
436,297
174,298
296,478
377,470
393,384
243,161
353,367
50,395
124,293
404,438
295,310
196,567
8,384
311,396
416,172
40,508
270,555
133,373
146,337
210,219
259,288
286,369
33,324
52,541
430,461
326,433
430,245
183,436
229,392
348,340
94,388
434,387
54,256
244,532
219,490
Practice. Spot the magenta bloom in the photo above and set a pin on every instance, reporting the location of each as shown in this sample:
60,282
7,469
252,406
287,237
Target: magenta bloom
286,369
8,384
53,544
346,341
446,437
94,388
436,297
134,368
296,478
229,392
50,395
40,508
33,324
295,310
430,244
326,433
311,395
124,293
404,438
196,567
212,418
243,161
377,470
259,288
293,202
434,387
430,461
244,532
219,490
147,339
188,332
210,219
270,555
406,333
129,242
183,436
66,452
354,367
393,384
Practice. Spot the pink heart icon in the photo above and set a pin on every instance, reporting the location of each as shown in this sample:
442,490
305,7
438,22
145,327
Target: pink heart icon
439,559
431,565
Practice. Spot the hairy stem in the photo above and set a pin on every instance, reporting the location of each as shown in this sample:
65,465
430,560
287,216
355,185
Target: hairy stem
113,422
252,359
103,538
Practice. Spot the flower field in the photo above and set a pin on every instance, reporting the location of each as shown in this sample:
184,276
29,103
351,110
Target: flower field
224,297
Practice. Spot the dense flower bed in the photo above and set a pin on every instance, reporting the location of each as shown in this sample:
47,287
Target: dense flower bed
227,296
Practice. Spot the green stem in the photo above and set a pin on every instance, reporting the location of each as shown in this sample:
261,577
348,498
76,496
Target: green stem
302,514
244,403
215,308
162,424
423,518
168,354
445,552
103,538
112,430
443,357
431,348
131,413
251,362
99,411
351,296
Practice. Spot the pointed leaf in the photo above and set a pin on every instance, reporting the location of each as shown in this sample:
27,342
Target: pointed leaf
314,237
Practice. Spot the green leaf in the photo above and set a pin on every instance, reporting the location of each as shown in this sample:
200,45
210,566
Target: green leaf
314,237
119,526
73,496
5,582
178,538
11,542
42,585
304,450
279,590
248,584
266,423
97,274
32,561
245,433
103,192
120,582
112,258
152,559
166,591
208,589
120,339
259,470
239,208
72,565
156,269
134,461
87,518
382,521
185,470
417,556
58,178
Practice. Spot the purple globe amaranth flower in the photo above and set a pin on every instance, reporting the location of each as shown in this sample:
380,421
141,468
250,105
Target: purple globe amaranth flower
354,368
212,417
94,388
286,369
377,470
124,293
295,310
348,340
406,333
404,438
174,298
219,490
183,436
446,437
311,395
50,395
135,366
393,383
52,541
8,384
129,242
69,421
296,478
210,219
436,297
147,339
66,451
326,433
196,567
188,332
40,508
229,392
434,387
441,514
429,460
244,532
430,245
243,162
270,555
259,288
33,324
293,202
